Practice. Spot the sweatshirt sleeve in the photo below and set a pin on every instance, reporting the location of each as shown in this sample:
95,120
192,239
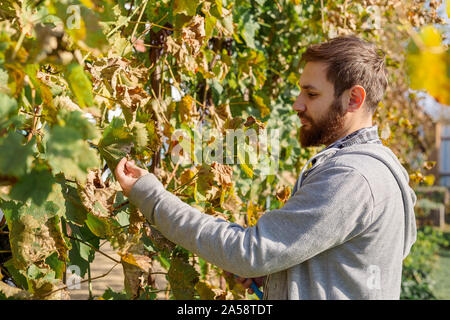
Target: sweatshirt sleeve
333,205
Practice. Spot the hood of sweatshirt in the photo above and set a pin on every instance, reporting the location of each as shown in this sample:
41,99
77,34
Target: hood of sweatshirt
385,155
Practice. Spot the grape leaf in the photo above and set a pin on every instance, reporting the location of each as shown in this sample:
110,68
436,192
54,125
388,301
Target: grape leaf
81,124
187,7
116,143
79,84
140,136
69,154
8,107
81,23
15,157
36,185
182,278
72,208
35,233
434,78
99,226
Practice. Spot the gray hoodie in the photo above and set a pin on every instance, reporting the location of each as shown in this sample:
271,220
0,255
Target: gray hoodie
342,235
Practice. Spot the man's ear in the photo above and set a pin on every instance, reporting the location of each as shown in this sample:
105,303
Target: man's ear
356,98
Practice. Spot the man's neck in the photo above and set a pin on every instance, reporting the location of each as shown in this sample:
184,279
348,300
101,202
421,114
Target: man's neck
348,131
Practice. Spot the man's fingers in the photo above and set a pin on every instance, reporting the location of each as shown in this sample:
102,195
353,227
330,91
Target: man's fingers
135,171
120,168
132,167
247,283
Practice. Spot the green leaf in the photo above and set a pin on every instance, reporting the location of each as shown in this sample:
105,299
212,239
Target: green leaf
140,136
76,120
182,278
18,276
109,294
36,185
79,84
81,254
250,28
99,226
15,157
187,7
56,265
68,154
8,107
35,232
116,143
74,211
241,156
81,23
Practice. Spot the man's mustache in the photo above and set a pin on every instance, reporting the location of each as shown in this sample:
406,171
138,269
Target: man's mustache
303,116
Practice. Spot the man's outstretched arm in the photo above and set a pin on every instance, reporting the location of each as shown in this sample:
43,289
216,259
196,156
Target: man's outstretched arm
318,217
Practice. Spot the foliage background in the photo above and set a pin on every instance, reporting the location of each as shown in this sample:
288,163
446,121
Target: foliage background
235,64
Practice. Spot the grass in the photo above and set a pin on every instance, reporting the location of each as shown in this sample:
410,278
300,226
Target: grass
441,275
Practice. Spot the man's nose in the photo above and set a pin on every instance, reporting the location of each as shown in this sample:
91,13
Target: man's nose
299,106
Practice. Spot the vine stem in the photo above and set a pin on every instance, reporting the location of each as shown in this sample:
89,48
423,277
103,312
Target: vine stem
158,273
278,5
128,14
83,281
187,183
153,25
89,280
91,246
122,24
345,13
139,19
173,172
323,19
18,44
123,204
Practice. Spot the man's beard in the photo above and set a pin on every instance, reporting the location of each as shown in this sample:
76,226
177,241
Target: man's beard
326,130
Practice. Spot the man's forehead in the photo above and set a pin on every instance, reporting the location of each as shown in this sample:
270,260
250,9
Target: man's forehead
314,76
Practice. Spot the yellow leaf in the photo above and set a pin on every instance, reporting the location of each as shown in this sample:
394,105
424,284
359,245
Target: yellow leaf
87,3
428,165
140,261
206,291
253,213
427,67
448,8
186,108
429,179
248,171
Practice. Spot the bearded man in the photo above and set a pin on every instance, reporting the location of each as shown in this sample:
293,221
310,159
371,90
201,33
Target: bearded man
350,221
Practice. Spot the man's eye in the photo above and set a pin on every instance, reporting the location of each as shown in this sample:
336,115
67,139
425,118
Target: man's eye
312,94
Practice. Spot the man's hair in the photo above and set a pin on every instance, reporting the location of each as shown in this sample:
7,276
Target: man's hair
352,61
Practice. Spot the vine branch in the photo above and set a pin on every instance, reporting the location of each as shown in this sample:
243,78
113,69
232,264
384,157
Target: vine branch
97,250
83,281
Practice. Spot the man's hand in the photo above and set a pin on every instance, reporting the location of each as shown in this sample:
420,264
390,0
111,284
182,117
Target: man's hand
127,173
247,282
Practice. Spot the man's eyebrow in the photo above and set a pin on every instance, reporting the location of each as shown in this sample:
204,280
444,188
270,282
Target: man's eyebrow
308,86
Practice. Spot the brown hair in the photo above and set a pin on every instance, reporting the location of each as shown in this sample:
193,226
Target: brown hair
352,61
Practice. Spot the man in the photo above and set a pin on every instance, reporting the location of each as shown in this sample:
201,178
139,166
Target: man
349,222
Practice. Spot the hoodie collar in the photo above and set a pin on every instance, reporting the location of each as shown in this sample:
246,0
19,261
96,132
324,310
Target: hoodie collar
363,135
360,136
